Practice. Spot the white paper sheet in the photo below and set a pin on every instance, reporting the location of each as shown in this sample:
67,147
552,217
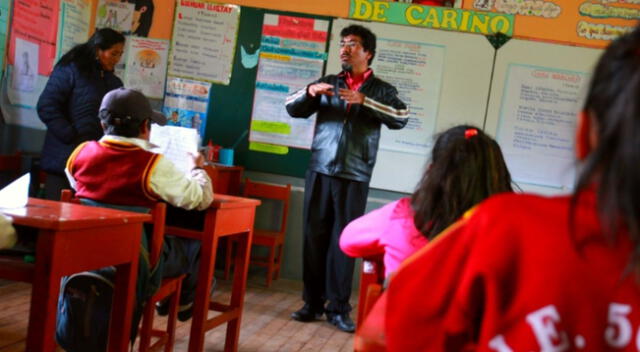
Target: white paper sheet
176,143
16,194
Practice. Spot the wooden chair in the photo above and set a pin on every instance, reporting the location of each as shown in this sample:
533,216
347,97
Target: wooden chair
371,280
169,288
274,240
11,165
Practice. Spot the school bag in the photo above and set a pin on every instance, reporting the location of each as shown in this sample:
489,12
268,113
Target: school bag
84,302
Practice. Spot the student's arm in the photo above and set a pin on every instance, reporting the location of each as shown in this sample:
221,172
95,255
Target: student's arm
361,237
193,191
52,104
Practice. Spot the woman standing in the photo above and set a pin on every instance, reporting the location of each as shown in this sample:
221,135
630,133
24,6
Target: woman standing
70,101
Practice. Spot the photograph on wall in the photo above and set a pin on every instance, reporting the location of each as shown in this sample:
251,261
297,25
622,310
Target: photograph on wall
146,66
186,103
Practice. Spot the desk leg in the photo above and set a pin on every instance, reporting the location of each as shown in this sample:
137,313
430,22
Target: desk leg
44,295
122,307
238,291
208,250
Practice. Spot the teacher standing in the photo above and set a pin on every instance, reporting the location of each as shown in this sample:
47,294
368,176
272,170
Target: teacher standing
69,104
351,108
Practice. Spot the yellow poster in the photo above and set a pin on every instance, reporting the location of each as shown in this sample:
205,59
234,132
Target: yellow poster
591,23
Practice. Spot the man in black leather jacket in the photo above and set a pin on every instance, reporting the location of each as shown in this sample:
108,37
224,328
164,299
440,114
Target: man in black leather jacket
351,106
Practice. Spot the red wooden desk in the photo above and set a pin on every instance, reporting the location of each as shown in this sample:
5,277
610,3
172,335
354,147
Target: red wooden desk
226,179
227,216
74,238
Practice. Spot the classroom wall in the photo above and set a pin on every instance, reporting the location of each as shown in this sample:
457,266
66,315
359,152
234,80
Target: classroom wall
334,8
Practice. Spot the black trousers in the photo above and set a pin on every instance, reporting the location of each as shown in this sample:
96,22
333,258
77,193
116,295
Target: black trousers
330,203
182,256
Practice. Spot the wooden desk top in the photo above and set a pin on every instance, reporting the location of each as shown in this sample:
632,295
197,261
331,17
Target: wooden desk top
223,201
52,215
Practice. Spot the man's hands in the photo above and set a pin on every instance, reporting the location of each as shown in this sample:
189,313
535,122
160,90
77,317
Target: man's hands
350,96
320,88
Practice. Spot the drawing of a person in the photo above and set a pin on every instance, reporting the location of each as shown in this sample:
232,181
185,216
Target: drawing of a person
25,68
142,17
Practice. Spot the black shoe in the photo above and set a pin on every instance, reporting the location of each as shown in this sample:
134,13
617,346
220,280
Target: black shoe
162,308
185,314
307,314
342,321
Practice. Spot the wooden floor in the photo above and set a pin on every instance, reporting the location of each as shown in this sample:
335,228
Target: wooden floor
266,325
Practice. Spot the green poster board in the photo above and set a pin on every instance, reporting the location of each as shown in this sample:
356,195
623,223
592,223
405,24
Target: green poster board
230,105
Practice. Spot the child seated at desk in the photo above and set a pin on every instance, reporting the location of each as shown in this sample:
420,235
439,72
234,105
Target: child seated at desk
121,169
532,273
466,167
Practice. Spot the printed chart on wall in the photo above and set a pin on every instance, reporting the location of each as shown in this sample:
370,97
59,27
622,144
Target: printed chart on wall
204,39
415,69
146,65
292,55
537,124
4,26
186,103
73,27
538,89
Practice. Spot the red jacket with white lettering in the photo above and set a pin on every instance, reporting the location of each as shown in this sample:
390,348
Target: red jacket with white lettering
513,277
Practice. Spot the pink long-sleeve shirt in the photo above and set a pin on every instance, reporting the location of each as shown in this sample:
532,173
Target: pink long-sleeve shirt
388,230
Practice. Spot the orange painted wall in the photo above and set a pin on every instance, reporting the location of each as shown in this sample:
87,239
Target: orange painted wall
334,8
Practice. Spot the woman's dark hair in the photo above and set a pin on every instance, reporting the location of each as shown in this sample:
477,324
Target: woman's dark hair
84,55
368,38
613,104
466,167
123,126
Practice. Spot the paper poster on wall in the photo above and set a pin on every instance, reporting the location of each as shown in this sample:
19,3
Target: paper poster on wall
73,25
186,103
24,98
35,21
116,15
25,63
537,124
415,69
146,66
204,39
5,8
292,55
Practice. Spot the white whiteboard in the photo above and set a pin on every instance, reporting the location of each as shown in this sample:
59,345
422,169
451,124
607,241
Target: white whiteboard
463,93
519,55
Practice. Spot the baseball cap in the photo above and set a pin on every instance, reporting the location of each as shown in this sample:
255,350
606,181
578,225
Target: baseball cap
131,104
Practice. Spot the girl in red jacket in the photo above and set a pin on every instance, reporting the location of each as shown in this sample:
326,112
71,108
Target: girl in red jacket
530,273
